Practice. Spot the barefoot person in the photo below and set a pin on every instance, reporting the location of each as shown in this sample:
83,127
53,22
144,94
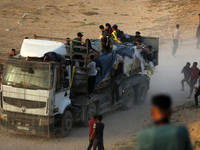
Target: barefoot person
163,135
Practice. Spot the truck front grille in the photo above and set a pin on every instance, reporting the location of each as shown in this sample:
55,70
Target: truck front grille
26,103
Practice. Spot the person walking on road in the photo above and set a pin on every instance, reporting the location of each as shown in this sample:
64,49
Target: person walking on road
193,77
197,92
186,72
198,36
98,134
91,125
163,135
176,37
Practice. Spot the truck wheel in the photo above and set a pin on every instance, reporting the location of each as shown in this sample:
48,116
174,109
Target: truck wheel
128,98
91,109
66,126
141,93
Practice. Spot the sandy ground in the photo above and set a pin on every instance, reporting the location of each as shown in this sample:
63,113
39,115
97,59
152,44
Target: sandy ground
63,18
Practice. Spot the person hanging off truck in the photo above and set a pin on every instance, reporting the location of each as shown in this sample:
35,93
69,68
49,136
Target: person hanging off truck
52,56
91,75
117,77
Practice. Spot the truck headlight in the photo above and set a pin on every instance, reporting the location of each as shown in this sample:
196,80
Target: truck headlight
4,117
44,122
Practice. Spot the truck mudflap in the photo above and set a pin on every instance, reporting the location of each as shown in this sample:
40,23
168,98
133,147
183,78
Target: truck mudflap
30,124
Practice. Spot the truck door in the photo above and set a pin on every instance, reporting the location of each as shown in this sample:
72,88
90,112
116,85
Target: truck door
62,90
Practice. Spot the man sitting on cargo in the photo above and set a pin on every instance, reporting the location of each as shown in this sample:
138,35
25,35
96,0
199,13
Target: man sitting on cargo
116,34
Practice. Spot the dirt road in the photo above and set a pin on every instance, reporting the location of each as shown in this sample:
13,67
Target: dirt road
61,19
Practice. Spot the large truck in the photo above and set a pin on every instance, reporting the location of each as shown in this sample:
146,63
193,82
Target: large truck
38,97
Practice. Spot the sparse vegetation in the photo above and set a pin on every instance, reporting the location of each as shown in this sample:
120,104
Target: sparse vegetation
90,13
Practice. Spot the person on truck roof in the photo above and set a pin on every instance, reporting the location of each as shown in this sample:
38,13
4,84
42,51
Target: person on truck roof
138,38
116,35
91,74
108,26
52,56
106,44
105,32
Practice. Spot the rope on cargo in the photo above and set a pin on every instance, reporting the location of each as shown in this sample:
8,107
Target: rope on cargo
73,71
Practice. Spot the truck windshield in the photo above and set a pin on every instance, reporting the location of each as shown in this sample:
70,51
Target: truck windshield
31,75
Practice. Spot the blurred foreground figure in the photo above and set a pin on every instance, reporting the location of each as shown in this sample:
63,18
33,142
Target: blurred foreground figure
163,135
186,72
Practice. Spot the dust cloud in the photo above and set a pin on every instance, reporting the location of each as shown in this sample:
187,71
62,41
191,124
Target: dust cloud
168,79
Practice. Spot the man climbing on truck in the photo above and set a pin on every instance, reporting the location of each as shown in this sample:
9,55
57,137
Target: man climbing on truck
91,74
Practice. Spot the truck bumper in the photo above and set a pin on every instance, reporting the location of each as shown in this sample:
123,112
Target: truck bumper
30,124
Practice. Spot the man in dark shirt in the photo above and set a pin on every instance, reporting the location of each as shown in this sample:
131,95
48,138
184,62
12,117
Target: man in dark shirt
186,72
193,77
138,38
105,32
52,56
98,132
115,84
77,41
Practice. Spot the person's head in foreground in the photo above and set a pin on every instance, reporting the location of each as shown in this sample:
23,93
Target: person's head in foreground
91,57
161,109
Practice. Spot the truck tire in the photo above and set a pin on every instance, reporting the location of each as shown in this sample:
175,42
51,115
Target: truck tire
128,98
66,126
141,93
90,110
